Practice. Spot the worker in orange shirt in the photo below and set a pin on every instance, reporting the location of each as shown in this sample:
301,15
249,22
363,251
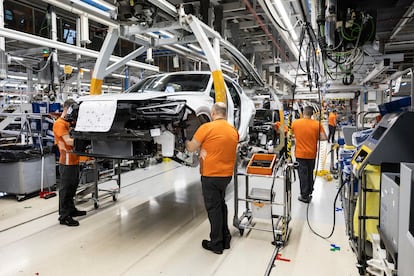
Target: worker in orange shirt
217,141
307,132
68,167
332,122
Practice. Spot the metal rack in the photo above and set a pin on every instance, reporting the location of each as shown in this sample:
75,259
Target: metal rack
92,176
280,222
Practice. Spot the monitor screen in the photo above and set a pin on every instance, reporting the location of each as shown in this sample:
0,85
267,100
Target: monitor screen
69,36
264,115
360,157
378,132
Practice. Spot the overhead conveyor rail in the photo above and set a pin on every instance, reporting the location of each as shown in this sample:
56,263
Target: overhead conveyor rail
144,35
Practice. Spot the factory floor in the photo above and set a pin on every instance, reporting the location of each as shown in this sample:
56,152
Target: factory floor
156,227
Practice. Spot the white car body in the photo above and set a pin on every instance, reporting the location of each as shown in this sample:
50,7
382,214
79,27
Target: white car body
142,113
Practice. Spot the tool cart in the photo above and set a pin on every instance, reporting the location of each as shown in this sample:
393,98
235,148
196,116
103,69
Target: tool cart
93,174
263,200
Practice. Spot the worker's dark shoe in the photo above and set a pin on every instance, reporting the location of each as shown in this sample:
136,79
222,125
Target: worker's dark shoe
226,242
78,213
206,245
305,199
69,221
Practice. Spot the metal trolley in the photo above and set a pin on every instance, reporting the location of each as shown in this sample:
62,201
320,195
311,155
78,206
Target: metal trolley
94,174
279,221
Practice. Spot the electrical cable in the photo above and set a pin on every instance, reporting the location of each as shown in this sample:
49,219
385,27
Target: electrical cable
336,196
35,70
312,66
334,217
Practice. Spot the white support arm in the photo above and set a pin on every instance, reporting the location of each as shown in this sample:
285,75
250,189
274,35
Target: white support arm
213,57
103,59
125,60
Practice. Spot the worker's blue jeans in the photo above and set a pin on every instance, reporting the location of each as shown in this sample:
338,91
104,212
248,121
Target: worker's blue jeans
214,191
69,181
305,170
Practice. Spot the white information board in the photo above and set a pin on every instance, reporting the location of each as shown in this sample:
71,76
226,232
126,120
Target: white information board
96,116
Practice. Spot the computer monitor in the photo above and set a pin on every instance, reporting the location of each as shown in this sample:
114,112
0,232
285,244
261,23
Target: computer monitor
378,132
69,35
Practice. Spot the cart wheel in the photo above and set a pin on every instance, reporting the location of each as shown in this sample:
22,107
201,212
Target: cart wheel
96,205
141,164
20,197
241,232
115,197
279,238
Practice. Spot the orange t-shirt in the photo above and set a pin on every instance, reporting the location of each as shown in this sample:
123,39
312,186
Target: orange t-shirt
219,139
61,128
306,133
332,119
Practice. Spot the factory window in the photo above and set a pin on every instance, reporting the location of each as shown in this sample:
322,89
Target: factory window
41,24
18,17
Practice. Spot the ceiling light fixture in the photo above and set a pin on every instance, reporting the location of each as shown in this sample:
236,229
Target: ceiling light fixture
274,14
92,7
165,33
118,76
103,86
105,4
16,58
194,47
280,8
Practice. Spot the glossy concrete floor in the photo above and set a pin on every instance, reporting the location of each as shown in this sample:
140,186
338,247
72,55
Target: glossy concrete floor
156,227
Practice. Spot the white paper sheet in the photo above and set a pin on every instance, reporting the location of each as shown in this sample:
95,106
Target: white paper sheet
96,116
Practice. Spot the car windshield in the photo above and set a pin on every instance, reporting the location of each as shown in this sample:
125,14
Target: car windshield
172,83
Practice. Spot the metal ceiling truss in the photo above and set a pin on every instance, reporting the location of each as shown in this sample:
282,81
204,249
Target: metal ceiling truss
145,35
251,24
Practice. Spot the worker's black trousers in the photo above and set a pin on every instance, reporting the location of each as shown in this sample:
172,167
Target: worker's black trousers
214,191
331,134
69,181
305,170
